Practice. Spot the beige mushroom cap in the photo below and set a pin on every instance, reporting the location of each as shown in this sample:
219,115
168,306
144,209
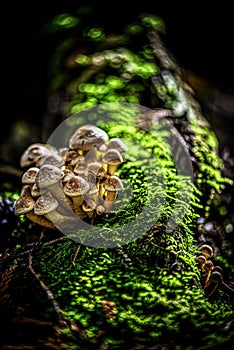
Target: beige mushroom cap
118,144
34,152
112,156
45,204
113,183
76,186
48,175
87,137
53,159
29,176
24,205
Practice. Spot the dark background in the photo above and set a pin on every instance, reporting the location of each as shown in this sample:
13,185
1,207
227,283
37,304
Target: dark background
200,38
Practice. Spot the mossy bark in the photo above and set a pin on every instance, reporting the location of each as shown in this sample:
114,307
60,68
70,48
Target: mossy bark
148,291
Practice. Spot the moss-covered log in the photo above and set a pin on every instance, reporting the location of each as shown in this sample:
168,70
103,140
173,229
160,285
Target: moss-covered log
145,289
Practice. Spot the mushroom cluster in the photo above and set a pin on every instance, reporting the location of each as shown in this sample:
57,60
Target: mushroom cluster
79,180
212,275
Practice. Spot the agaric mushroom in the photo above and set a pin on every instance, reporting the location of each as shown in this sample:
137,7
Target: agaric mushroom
25,206
80,168
112,185
88,138
49,178
71,157
88,206
29,176
206,250
53,159
67,174
116,143
95,172
46,205
35,191
201,260
113,159
75,188
100,209
34,153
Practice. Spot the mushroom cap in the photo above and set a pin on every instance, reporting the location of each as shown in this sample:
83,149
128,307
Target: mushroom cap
206,250
80,167
24,205
45,204
216,277
88,205
76,186
29,176
48,175
112,156
113,183
116,143
67,174
87,137
53,159
97,169
72,157
34,152
35,190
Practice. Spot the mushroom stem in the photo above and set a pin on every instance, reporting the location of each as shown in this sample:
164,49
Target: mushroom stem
77,203
40,220
109,199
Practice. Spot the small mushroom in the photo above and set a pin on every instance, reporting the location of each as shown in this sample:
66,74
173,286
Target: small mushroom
88,206
46,205
49,178
75,188
80,168
116,143
71,157
25,205
112,158
88,138
207,269
100,209
95,172
112,185
67,174
34,153
53,159
201,260
206,250
29,176
35,191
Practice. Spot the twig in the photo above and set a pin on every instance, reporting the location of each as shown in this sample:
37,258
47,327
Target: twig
46,289
72,326
10,170
75,256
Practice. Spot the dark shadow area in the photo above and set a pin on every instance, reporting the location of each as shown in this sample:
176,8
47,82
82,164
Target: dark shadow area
200,39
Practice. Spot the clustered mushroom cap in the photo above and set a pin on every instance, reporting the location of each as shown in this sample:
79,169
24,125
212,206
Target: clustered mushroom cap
87,137
118,144
34,153
113,183
76,186
24,205
45,204
29,175
79,179
48,175
112,156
